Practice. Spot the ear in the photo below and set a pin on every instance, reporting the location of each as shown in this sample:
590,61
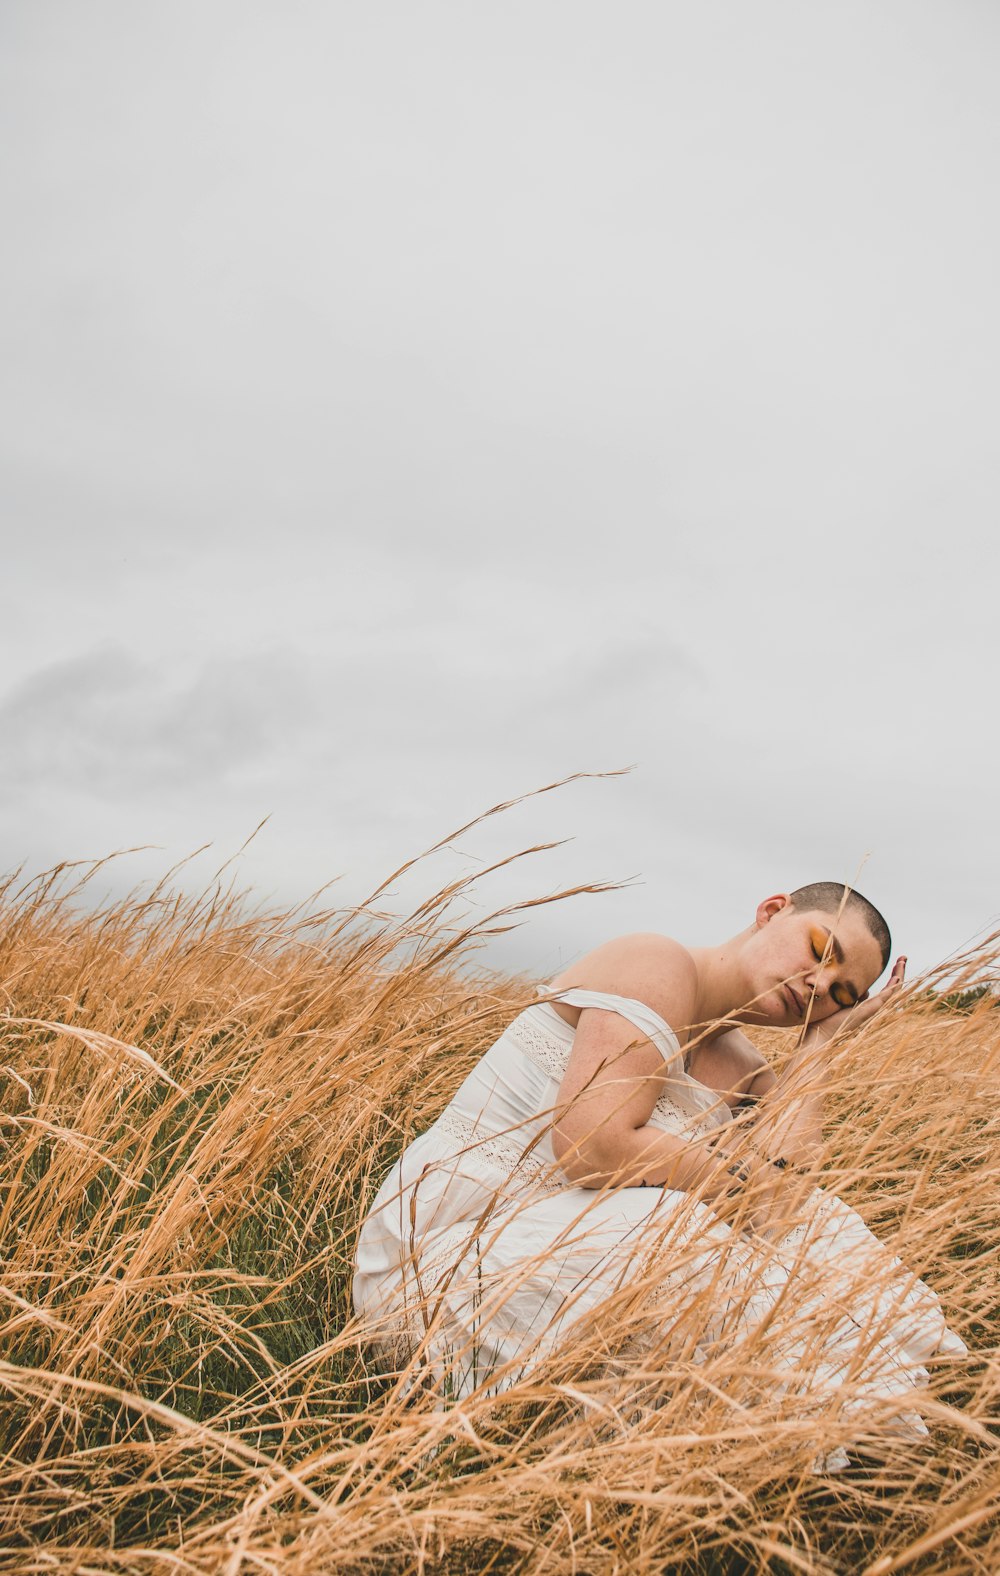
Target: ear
771,906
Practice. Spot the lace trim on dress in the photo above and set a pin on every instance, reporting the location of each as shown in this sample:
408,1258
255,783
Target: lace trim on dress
677,1117
540,1045
503,1153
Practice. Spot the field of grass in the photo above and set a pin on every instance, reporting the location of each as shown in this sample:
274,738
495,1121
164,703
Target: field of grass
197,1102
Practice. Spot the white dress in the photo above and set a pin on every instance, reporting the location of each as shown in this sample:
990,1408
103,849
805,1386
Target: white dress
480,1256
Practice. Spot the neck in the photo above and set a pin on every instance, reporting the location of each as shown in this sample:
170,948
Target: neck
721,990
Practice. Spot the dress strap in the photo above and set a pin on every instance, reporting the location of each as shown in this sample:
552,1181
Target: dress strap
642,1017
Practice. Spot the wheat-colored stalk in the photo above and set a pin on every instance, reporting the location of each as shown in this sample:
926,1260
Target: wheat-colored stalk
198,1103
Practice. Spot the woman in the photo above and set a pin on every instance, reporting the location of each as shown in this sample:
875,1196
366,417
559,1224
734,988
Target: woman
594,1140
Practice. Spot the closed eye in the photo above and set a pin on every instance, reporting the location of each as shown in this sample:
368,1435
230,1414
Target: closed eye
843,996
821,944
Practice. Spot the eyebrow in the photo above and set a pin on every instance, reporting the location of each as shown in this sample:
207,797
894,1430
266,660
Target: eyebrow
838,950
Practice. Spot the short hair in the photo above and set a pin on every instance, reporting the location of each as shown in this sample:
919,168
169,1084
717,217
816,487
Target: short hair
831,896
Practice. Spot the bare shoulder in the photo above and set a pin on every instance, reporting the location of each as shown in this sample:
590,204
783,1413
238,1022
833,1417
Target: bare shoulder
648,967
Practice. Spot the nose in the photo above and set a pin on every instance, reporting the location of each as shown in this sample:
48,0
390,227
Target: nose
818,981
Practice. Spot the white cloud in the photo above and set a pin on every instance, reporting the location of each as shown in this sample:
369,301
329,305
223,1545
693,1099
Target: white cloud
118,728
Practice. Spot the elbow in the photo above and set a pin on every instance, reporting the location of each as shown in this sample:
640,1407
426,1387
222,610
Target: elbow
582,1160
582,1172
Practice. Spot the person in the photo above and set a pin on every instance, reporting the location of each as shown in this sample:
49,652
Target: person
627,1120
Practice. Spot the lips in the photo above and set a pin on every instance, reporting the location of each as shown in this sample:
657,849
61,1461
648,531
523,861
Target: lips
793,1001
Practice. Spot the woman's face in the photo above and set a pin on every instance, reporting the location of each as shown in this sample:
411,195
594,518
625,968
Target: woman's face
811,963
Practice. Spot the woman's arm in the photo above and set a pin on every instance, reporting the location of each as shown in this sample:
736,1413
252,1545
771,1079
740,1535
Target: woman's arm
731,1064
601,1135
788,1119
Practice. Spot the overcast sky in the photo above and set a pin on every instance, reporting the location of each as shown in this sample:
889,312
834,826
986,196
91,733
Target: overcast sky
403,405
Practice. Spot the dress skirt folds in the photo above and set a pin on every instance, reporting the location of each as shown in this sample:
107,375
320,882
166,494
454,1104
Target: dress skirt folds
481,1257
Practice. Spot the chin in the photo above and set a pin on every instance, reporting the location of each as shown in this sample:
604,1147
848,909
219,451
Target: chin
761,1017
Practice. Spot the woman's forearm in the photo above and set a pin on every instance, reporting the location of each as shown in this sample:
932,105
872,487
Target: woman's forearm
749,1191
648,1157
788,1119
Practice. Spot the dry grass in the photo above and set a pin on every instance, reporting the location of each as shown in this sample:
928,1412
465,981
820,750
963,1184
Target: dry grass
197,1104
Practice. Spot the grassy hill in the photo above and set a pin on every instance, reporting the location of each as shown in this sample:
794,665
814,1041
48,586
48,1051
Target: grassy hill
197,1103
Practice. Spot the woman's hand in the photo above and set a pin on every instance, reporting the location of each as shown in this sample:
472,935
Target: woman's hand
790,1116
851,1018
779,1200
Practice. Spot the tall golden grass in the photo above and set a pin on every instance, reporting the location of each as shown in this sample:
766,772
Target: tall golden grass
198,1103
